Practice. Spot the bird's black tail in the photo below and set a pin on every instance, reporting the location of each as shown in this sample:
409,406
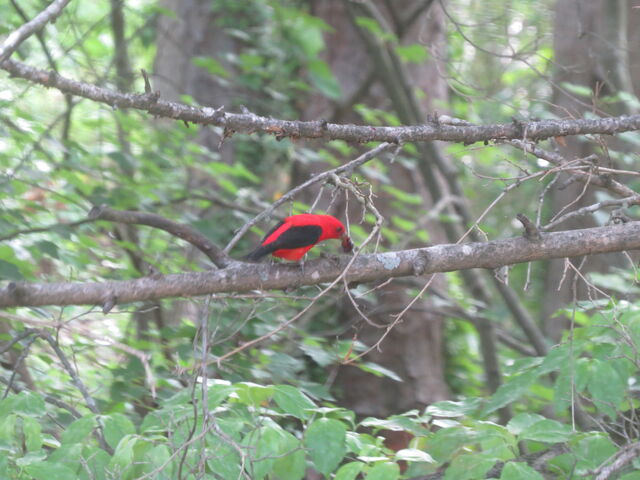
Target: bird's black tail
258,254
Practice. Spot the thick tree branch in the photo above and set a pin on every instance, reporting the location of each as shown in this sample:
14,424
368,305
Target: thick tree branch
243,277
15,38
250,123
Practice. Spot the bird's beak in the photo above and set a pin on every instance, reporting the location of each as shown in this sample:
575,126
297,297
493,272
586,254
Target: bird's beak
347,244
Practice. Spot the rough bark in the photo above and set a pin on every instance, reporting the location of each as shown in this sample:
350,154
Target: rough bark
442,128
243,277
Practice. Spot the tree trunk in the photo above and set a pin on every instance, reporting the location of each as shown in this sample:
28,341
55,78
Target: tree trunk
591,45
415,347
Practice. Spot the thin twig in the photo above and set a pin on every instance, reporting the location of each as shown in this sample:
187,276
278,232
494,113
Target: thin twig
27,333
627,201
46,228
623,457
20,359
15,38
557,159
88,399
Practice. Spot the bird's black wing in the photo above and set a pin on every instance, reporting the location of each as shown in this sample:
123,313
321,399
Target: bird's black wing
294,237
266,235
297,237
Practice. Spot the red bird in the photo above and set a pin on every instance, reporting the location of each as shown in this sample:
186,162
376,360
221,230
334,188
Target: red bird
292,238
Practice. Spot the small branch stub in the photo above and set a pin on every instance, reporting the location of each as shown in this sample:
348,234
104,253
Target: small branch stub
531,232
420,264
109,303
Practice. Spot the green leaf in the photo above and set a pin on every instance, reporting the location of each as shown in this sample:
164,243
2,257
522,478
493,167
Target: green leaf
253,394
510,391
32,433
562,391
448,408
349,471
523,421
607,387
48,248
218,393
49,471
293,401
158,456
414,455
124,161
211,65
396,423
123,455
27,403
374,28
97,462
226,461
550,431
323,79
577,89
8,429
379,370
32,458
268,446
384,471
412,53
4,465
519,471
78,430
8,264
291,465
317,352
325,439
555,359
469,467
401,195
68,455
630,476
447,442
115,427
592,451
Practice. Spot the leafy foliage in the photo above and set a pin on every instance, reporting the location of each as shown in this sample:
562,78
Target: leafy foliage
271,412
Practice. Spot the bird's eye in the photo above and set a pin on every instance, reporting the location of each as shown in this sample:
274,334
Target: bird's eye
339,229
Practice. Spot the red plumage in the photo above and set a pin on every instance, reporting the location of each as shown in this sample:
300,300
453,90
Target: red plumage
292,238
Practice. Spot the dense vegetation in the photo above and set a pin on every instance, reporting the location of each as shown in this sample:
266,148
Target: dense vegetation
177,387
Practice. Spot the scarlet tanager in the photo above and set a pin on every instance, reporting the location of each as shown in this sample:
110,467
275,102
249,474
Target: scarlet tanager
292,238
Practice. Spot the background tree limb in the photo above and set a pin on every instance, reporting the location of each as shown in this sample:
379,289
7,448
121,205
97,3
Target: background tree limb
249,122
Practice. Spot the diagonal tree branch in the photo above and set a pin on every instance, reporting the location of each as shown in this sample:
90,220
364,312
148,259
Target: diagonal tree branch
180,230
243,277
624,456
250,123
15,38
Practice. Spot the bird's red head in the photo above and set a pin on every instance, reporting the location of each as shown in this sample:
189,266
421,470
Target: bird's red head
333,228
